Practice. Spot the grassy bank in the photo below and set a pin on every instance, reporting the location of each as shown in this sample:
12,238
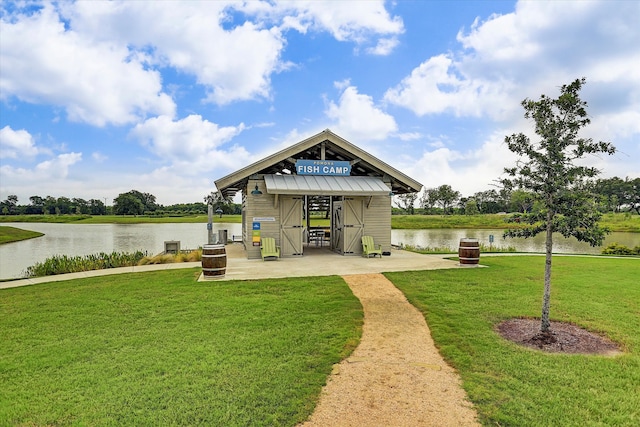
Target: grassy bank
12,234
119,219
161,349
625,222
510,385
615,222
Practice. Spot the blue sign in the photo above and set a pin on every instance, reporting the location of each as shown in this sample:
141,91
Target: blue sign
323,167
256,226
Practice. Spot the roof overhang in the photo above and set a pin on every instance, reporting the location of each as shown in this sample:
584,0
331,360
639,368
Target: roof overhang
318,185
323,146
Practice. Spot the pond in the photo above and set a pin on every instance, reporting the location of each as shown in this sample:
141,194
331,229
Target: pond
85,239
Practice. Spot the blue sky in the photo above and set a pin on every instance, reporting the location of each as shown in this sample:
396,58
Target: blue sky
99,98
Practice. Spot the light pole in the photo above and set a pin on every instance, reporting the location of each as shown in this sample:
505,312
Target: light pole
209,200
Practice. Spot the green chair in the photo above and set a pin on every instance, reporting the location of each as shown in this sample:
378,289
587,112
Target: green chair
268,248
370,248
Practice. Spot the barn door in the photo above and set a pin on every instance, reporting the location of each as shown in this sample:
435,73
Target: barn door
291,225
336,226
353,220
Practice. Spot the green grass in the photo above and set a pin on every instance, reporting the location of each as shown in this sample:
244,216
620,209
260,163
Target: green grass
511,385
621,222
615,222
159,348
12,234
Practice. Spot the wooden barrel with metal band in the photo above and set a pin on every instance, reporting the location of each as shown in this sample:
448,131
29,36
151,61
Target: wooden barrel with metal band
214,261
469,251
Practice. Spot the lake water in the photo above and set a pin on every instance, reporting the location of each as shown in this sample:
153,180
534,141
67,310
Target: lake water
85,239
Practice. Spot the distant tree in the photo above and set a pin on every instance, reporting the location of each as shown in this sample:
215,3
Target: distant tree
471,207
632,196
218,201
122,203
547,169
490,201
9,205
447,197
97,207
80,206
521,201
406,202
612,193
49,205
36,207
428,200
64,206
127,204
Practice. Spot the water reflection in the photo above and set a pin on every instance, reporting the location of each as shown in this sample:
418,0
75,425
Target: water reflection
451,239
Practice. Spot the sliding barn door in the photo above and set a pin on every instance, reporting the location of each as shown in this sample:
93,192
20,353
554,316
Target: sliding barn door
291,209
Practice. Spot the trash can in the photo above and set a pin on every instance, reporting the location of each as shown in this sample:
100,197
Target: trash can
222,237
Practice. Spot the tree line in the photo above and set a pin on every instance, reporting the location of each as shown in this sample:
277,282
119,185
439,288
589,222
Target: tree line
133,202
612,195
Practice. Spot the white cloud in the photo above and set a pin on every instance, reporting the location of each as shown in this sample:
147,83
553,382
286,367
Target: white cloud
100,61
15,144
360,22
467,171
99,157
384,47
95,82
53,172
190,145
534,50
358,118
436,86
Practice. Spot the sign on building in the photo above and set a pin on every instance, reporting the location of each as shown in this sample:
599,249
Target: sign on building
323,167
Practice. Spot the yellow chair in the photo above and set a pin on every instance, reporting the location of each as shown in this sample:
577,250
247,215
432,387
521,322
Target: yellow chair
268,248
370,248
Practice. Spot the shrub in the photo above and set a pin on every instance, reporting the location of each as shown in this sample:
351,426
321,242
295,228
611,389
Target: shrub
61,264
617,249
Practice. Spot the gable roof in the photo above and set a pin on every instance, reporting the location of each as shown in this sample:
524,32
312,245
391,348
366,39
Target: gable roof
334,148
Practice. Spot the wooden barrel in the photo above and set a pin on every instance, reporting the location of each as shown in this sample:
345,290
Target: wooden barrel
214,261
469,251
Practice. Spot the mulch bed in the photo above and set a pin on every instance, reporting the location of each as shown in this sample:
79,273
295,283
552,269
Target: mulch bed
563,338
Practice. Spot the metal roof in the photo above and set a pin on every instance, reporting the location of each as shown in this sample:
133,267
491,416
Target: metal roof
325,185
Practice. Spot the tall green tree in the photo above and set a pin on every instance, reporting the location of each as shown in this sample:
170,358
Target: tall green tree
127,204
547,169
447,197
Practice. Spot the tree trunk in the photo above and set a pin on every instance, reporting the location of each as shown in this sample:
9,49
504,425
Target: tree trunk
544,326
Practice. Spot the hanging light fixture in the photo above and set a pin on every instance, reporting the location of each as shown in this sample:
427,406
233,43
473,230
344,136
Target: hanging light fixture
256,191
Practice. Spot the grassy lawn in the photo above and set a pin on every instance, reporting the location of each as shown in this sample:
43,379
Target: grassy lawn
161,349
511,385
12,234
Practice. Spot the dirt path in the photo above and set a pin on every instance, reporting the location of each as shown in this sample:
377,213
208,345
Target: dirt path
396,376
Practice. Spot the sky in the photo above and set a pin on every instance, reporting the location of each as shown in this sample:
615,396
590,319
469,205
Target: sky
99,98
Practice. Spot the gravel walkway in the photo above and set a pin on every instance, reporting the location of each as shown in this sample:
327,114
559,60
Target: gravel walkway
395,377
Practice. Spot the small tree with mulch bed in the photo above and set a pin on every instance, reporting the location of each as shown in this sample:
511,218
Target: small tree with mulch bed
547,170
